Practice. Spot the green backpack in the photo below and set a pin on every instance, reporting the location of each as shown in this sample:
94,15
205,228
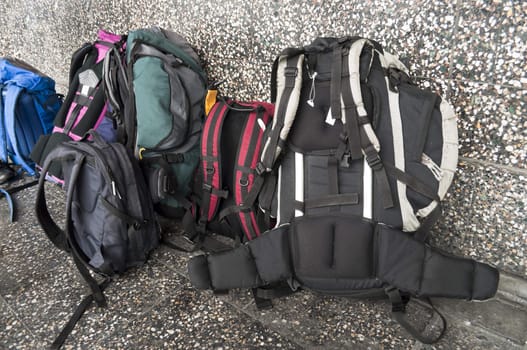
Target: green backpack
157,93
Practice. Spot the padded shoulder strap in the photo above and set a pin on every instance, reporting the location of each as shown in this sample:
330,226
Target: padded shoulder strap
211,163
78,57
3,140
50,227
288,85
11,97
246,160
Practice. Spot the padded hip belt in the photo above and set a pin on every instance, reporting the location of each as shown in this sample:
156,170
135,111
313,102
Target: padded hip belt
335,254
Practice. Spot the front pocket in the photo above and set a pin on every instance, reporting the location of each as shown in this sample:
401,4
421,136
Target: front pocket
419,118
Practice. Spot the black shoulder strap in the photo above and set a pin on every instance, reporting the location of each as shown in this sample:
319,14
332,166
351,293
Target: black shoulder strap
78,57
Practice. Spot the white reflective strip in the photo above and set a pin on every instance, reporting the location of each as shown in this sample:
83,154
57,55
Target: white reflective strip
278,197
299,181
367,188
410,222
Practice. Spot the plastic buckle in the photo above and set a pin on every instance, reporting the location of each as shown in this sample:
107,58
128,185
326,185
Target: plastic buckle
374,161
207,187
399,307
260,168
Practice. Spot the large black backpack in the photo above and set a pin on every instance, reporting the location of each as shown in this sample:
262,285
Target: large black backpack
363,157
110,222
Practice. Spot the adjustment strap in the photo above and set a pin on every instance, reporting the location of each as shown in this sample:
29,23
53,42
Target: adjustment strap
399,303
335,87
375,162
331,201
79,311
413,182
424,230
351,129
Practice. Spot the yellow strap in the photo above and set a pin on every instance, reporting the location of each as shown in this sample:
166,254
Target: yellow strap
210,100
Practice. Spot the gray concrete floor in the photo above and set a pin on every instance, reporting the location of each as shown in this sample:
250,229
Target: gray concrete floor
472,51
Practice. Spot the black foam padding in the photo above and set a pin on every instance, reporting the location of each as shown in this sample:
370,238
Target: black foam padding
271,255
333,253
399,259
486,281
415,267
233,269
198,272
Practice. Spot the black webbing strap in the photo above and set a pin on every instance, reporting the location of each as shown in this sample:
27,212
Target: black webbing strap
82,100
333,179
413,182
399,303
351,131
290,74
55,234
79,311
424,230
234,209
331,201
376,164
336,83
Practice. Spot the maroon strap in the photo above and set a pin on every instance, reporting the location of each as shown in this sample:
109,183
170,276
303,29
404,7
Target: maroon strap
246,160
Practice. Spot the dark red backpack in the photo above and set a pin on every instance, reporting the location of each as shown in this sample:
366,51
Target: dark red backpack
224,200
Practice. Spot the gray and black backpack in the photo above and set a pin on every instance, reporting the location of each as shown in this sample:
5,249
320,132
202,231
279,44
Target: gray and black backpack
110,222
360,158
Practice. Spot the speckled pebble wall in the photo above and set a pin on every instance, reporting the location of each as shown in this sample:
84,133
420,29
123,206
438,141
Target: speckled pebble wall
474,52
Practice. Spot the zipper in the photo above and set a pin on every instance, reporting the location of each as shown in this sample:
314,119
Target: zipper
107,173
434,168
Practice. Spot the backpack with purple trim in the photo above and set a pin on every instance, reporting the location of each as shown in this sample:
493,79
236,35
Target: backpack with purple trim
85,106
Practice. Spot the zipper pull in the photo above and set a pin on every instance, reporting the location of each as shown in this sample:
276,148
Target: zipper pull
115,191
312,92
434,168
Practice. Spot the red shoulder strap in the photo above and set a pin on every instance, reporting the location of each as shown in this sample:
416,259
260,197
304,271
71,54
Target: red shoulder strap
211,162
246,160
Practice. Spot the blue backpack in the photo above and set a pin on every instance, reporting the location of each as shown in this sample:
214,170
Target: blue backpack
28,105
